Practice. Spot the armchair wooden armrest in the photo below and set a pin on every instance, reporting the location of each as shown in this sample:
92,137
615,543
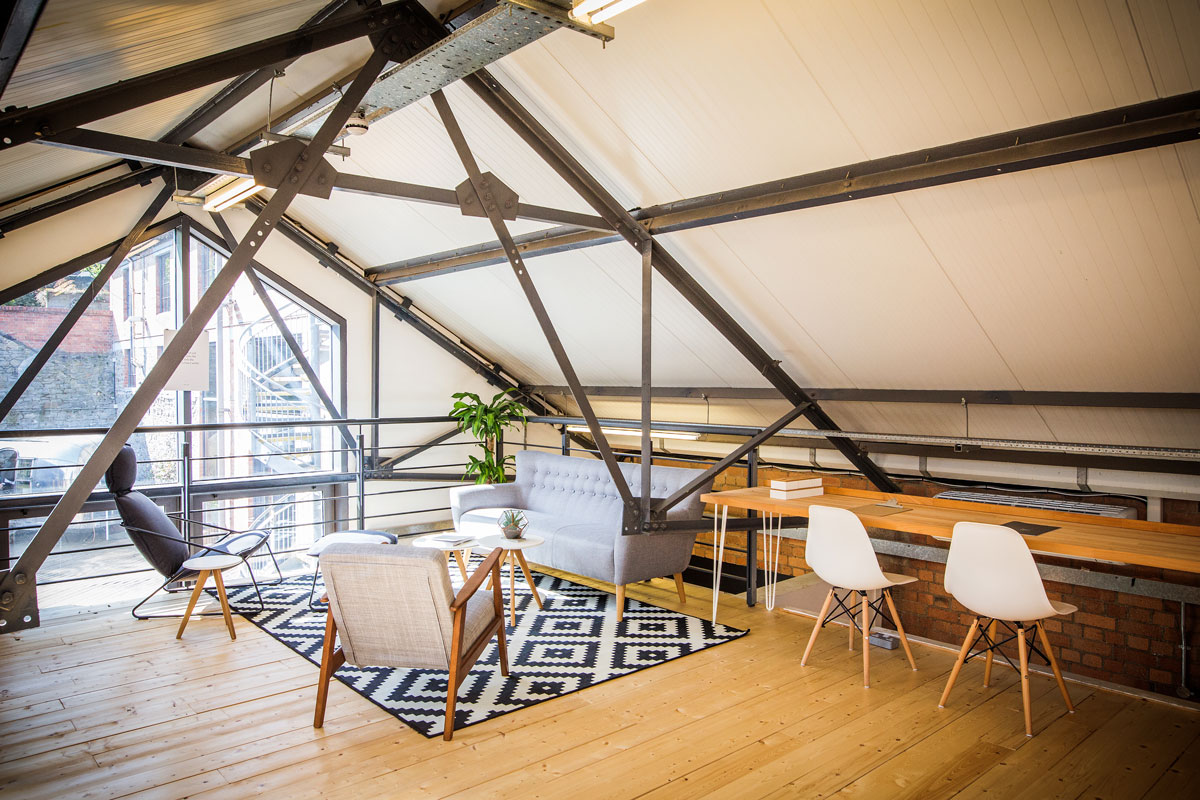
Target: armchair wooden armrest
490,564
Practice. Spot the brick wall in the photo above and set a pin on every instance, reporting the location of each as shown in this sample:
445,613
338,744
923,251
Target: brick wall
1123,638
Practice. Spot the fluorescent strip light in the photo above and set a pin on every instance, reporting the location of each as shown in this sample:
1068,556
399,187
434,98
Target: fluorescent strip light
232,194
688,435
608,12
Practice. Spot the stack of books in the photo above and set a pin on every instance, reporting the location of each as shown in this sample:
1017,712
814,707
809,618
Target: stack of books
794,490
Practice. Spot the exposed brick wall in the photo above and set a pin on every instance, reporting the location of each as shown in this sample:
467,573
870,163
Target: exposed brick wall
1123,638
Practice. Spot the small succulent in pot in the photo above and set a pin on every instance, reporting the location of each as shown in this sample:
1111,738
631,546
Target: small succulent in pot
513,523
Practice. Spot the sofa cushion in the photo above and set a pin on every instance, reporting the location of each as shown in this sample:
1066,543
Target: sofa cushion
584,548
570,488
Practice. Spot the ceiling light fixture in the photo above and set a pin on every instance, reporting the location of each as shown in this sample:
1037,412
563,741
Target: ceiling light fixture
231,194
688,435
593,12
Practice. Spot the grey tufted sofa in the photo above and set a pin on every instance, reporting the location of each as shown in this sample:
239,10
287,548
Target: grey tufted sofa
573,504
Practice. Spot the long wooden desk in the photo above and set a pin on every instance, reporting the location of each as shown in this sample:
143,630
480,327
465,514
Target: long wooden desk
1124,541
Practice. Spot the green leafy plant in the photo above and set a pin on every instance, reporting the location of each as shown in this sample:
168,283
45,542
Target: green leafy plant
512,518
486,422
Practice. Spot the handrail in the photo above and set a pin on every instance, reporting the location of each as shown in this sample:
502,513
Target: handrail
32,433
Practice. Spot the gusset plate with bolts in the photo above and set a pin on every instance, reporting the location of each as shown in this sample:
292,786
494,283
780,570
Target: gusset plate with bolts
271,166
495,191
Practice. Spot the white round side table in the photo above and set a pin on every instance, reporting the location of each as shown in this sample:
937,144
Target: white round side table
205,566
513,556
430,540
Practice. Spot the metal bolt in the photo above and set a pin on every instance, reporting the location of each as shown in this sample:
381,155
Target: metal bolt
267,167
294,179
304,156
6,598
20,578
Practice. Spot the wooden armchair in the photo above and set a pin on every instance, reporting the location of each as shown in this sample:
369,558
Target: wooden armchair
393,606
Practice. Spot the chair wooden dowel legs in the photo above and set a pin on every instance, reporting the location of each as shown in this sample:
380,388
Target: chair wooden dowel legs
866,632
887,593
817,628
224,603
1023,652
1062,686
191,606
850,627
962,656
987,667
620,602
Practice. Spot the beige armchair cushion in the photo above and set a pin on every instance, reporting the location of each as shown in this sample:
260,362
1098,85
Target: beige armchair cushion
391,604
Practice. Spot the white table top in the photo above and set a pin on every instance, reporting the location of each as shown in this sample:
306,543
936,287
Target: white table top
491,542
211,562
430,540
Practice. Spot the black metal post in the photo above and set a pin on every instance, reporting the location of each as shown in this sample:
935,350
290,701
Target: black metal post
752,535
376,332
361,481
647,377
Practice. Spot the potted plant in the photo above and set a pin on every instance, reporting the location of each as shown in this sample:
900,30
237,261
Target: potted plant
486,422
513,523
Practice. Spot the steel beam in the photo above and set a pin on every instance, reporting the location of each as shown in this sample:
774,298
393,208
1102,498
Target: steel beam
733,457
539,243
138,177
380,187
173,155
22,19
999,397
18,606
311,374
1151,124
484,195
27,124
536,136
81,304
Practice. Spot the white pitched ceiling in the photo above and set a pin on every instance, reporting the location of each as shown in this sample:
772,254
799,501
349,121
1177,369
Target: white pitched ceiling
1083,276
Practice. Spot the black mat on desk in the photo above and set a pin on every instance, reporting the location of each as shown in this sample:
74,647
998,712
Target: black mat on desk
1029,528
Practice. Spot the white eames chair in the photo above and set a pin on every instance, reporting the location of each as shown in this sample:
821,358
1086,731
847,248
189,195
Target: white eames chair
839,551
991,571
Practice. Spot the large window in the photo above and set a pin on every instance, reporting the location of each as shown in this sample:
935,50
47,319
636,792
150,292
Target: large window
257,378
254,377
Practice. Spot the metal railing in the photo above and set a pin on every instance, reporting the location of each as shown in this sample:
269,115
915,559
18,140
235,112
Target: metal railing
329,490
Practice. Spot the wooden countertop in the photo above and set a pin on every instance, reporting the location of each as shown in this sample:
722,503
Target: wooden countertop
1125,541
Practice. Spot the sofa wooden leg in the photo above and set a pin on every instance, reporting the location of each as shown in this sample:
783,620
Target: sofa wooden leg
679,587
620,601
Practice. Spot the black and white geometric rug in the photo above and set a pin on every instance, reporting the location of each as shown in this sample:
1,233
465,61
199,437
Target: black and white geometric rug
572,643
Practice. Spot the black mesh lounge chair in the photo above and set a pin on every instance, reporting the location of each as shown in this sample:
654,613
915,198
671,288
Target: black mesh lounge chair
158,539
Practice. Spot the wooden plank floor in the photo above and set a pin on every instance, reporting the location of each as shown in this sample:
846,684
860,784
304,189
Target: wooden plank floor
97,705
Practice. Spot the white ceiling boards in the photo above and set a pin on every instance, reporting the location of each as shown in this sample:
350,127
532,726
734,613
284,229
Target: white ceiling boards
1080,276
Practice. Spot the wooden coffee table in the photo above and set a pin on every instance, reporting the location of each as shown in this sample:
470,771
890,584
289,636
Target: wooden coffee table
513,556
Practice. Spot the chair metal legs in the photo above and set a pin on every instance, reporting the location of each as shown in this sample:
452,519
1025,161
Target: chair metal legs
183,574
983,634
